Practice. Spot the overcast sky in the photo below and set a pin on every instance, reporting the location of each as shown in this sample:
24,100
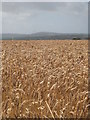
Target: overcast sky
45,0
60,17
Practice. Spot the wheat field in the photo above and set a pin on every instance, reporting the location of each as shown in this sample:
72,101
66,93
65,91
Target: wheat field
45,79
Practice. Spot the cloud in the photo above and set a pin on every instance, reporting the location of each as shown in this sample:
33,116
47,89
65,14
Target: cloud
29,17
25,7
45,0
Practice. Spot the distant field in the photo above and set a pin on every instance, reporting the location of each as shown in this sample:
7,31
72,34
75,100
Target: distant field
45,78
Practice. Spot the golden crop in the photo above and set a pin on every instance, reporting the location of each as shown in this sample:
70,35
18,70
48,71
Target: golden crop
45,78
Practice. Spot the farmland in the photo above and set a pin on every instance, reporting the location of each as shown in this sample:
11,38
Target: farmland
44,78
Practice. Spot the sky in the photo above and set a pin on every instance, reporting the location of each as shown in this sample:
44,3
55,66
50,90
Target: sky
44,0
31,17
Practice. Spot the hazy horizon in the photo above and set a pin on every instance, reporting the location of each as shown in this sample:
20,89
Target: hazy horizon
44,32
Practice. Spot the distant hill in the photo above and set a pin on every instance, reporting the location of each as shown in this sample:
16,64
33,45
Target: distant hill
43,36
